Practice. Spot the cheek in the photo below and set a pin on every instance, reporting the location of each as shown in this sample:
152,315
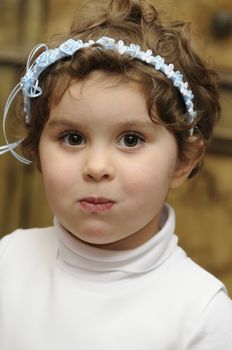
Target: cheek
57,171
58,181
138,180
153,176
59,190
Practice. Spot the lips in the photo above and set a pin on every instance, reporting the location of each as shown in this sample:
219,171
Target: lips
96,204
98,200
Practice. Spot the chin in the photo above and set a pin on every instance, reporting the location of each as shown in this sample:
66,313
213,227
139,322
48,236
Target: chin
94,234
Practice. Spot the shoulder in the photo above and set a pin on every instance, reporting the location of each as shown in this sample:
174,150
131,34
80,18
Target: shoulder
194,286
203,306
192,276
24,237
22,246
214,328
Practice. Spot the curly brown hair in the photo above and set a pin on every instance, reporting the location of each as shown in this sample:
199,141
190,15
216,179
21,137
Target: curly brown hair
133,21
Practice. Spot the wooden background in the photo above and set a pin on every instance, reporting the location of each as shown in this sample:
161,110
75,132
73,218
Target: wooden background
203,205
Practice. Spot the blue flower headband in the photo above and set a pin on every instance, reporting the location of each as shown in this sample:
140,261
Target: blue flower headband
29,84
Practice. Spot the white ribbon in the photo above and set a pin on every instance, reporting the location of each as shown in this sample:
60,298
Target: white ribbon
9,147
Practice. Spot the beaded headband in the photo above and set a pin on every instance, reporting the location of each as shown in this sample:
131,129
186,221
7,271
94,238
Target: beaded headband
29,83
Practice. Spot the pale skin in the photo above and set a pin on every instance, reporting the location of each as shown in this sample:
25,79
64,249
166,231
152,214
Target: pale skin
99,142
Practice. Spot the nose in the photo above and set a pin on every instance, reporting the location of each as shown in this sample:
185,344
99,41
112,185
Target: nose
98,167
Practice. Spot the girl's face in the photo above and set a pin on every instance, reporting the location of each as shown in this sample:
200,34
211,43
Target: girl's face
106,166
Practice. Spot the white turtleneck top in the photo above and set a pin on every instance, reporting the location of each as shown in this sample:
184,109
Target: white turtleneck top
57,293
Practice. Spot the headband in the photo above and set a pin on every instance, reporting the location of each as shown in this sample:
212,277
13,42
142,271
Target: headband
29,83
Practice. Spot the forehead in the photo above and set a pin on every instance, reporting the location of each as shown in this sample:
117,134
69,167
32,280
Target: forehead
59,84
101,86
101,94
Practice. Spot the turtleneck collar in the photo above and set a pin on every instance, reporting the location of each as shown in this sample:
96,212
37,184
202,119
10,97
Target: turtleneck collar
83,259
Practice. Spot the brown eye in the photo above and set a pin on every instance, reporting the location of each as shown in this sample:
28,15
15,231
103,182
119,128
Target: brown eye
73,139
131,140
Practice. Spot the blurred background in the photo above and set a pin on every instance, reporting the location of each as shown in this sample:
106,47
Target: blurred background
204,204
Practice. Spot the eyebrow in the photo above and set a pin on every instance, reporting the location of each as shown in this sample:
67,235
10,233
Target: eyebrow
136,123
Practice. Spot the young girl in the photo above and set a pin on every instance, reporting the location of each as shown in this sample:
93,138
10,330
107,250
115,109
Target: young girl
117,113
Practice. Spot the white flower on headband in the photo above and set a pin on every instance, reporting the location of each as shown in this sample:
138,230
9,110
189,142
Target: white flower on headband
121,47
108,43
159,62
133,50
169,70
146,56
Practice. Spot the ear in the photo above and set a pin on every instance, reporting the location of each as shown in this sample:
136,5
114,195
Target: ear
181,173
184,167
